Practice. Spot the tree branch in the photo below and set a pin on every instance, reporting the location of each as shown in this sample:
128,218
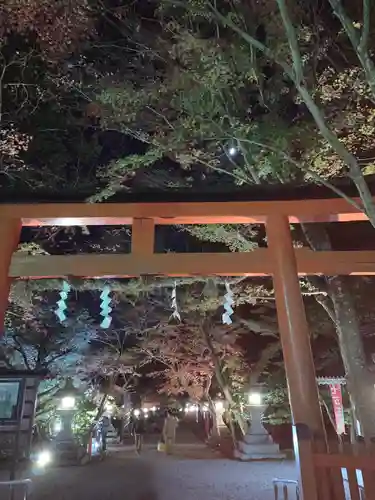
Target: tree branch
354,169
292,40
317,178
267,354
359,43
328,307
21,350
363,42
258,326
251,40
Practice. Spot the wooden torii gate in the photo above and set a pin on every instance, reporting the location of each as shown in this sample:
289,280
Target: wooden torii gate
280,260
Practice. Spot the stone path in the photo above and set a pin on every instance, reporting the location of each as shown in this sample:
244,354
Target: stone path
193,472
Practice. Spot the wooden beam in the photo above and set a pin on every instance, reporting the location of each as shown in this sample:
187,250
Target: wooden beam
129,265
68,214
256,263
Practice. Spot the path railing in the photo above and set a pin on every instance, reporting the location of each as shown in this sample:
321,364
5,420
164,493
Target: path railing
20,486
282,488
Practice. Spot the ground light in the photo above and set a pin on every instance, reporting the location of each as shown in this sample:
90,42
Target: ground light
43,458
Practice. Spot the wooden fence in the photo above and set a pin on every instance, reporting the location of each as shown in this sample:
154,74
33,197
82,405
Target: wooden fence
347,469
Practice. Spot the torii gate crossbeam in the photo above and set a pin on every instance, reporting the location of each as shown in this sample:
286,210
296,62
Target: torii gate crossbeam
280,260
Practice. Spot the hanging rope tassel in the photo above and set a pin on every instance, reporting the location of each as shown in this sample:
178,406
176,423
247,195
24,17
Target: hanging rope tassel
228,303
175,313
61,304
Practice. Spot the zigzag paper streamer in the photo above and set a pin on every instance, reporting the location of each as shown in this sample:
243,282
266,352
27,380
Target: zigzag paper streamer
175,313
228,303
105,309
61,304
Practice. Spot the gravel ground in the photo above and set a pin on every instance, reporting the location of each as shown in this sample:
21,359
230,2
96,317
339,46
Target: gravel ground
193,472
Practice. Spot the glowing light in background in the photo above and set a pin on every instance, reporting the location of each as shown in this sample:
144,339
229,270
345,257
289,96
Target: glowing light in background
109,407
57,426
69,221
255,398
44,458
68,403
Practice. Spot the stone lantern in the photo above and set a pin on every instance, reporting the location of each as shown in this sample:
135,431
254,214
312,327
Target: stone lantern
257,444
67,397
66,445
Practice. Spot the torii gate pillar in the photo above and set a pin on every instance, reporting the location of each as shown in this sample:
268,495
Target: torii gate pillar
295,340
10,230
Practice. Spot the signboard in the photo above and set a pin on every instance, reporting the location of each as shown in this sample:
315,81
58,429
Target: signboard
17,407
336,395
10,400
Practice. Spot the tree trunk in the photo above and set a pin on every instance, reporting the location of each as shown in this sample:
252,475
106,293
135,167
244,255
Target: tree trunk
359,378
221,379
215,431
266,356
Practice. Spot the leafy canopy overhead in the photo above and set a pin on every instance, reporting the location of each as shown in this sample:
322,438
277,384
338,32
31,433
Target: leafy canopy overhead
107,97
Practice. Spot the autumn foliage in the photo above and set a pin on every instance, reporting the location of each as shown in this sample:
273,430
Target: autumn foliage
55,26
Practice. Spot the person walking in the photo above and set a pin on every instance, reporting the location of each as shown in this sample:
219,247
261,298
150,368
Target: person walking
139,428
169,431
105,424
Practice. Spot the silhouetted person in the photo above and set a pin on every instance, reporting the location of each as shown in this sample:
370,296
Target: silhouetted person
105,427
139,429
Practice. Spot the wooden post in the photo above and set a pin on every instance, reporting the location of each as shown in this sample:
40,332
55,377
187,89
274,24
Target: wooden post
143,236
298,360
10,230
